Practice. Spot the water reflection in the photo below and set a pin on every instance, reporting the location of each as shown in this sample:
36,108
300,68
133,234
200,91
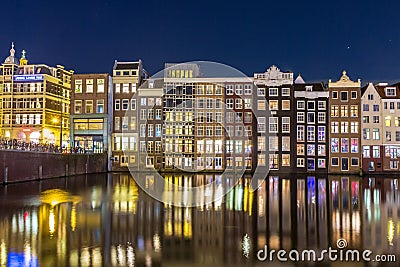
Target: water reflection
107,220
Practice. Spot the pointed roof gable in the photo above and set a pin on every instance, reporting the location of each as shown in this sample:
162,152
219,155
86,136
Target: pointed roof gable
299,80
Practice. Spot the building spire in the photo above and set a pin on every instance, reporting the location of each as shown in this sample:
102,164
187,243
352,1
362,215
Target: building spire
12,51
11,58
23,60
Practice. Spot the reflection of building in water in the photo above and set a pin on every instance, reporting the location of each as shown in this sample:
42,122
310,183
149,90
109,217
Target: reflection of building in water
109,226
345,208
274,207
211,232
381,215
312,213
113,223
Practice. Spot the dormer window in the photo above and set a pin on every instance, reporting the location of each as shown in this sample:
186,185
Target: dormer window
390,91
309,88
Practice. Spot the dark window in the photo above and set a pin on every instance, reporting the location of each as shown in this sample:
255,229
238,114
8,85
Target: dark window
343,96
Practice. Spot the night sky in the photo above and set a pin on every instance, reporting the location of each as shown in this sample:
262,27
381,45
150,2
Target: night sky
315,38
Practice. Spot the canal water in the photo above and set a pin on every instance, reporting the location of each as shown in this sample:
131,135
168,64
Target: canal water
108,220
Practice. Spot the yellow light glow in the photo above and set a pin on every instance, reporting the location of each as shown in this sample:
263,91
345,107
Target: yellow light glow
390,231
52,223
73,218
57,196
3,253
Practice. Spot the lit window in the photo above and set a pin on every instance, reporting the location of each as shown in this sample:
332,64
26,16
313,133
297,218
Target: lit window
100,85
334,145
366,152
89,106
285,160
273,143
300,149
100,106
78,86
89,86
344,127
285,104
388,121
344,111
273,104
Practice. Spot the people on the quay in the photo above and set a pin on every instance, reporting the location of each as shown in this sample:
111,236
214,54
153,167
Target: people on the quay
15,144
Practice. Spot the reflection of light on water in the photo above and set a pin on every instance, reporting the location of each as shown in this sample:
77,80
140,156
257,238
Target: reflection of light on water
260,206
130,255
156,243
398,228
3,253
120,254
85,257
27,253
52,223
148,260
218,198
274,241
73,218
74,258
96,257
246,246
390,231
187,224
93,204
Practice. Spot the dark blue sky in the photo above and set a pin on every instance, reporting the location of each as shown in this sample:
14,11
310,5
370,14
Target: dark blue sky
315,38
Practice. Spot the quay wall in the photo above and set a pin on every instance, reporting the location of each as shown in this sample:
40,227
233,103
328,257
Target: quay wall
18,166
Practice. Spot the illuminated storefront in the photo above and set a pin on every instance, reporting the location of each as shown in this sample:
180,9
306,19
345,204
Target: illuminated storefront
35,101
90,116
